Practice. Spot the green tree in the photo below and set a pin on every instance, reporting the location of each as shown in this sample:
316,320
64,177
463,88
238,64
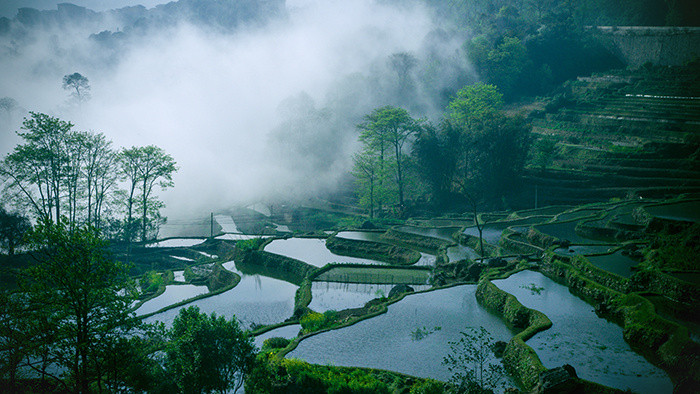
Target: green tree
13,227
492,148
403,63
208,353
366,171
143,168
435,152
80,287
100,176
474,104
15,341
78,85
58,171
386,131
471,362
35,171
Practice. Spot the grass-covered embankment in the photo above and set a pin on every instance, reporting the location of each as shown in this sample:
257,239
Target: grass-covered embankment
520,360
356,273
273,265
275,375
392,254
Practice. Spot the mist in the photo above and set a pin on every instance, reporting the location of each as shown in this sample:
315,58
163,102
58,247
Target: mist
263,112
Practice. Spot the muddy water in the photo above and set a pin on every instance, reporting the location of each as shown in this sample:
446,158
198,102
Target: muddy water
593,346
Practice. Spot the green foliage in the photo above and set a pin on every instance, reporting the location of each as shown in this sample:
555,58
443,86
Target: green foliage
314,321
207,353
249,244
470,361
475,104
151,282
381,167
272,375
77,304
143,168
428,386
275,343
544,152
502,65
675,249
13,228
534,289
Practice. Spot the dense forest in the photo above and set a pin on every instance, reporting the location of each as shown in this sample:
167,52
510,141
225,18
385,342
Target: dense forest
498,108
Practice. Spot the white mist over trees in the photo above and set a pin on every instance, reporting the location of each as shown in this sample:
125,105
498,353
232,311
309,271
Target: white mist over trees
214,98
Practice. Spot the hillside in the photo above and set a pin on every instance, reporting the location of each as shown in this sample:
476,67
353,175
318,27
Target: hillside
616,134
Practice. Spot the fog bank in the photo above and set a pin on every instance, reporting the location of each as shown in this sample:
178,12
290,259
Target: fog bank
264,111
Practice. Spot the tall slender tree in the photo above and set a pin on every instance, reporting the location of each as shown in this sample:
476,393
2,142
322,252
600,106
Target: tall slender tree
143,168
389,128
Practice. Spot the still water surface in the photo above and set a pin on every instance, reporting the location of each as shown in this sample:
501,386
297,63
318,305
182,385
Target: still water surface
593,346
172,295
338,296
312,251
256,299
386,342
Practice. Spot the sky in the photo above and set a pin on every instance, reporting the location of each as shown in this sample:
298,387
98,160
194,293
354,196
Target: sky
242,113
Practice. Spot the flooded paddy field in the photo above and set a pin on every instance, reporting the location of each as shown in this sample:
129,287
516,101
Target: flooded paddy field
256,299
172,295
387,341
312,251
593,346
338,296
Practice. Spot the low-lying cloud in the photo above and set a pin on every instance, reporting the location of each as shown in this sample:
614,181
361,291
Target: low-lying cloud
263,111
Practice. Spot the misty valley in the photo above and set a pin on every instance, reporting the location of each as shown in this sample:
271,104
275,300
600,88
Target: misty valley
377,196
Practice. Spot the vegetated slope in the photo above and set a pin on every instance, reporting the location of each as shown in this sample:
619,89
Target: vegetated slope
616,134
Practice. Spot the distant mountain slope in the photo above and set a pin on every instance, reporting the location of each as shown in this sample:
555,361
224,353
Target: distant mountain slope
219,15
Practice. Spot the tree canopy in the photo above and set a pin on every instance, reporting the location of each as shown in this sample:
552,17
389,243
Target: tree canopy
208,353
78,85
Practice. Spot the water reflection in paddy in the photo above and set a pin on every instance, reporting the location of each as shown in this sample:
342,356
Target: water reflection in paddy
172,295
565,231
176,243
256,299
338,296
617,263
573,250
594,346
684,211
362,236
461,252
385,341
444,233
179,276
312,251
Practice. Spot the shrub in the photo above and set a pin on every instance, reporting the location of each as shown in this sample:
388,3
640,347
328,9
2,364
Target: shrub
249,244
275,343
314,321
150,282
